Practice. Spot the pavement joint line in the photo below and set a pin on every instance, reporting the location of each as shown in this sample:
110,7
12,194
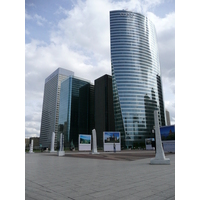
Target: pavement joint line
80,178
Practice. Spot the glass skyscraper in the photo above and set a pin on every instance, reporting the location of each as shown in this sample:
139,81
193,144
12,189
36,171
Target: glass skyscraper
137,88
104,112
68,123
86,109
51,102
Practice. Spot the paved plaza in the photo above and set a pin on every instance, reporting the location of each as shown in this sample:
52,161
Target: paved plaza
123,175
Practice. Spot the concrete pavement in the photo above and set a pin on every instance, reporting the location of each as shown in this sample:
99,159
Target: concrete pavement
80,177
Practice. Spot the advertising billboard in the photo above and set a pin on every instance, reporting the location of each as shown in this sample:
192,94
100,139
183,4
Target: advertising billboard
85,139
84,142
167,132
168,138
112,141
111,137
150,143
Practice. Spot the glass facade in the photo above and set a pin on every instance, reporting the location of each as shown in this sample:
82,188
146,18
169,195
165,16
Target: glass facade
104,113
51,101
137,88
69,110
86,109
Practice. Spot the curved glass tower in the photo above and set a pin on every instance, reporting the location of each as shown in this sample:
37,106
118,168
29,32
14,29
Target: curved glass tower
137,89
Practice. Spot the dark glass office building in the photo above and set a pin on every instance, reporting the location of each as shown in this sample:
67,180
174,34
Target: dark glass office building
137,87
104,112
69,110
86,109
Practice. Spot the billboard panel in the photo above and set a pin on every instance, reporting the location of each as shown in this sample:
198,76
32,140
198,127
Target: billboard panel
111,137
150,143
85,139
112,141
167,132
169,146
84,142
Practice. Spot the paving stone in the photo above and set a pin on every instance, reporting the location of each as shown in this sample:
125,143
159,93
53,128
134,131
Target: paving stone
84,178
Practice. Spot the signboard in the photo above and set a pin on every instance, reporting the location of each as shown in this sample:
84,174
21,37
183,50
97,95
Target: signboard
112,141
84,142
168,139
149,143
167,132
111,137
169,146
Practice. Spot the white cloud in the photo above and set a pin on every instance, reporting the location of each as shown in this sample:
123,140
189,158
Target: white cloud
147,4
162,24
27,16
27,32
32,132
61,10
40,20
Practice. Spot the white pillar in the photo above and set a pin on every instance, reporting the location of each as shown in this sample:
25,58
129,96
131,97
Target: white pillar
61,152
160,156
52,142
61,135
94,142
31,147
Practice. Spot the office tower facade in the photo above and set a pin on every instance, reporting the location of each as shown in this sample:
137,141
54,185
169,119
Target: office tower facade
50,109
69,110
168,118
104,112
137,87
86,109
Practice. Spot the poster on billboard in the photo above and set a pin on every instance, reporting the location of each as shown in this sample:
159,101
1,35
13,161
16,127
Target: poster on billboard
167,132
168,138
150,143
84,142
111,137
112,141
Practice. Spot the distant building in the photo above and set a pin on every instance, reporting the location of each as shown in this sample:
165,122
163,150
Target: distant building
51,102
68,123
27,142
36,142
104,113
168,118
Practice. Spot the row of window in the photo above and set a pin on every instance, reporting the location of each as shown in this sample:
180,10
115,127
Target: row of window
120,67
132,26
137,35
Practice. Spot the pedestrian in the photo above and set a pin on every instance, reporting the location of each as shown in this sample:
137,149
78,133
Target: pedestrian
114,148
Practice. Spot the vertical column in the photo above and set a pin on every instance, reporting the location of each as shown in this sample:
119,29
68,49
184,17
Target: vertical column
160,156
61,151
52,142
31,147
94,142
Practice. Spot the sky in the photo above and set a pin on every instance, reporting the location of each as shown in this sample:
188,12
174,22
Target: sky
75,35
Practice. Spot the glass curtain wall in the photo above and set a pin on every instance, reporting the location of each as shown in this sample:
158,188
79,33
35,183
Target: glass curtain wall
137,89
69,110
